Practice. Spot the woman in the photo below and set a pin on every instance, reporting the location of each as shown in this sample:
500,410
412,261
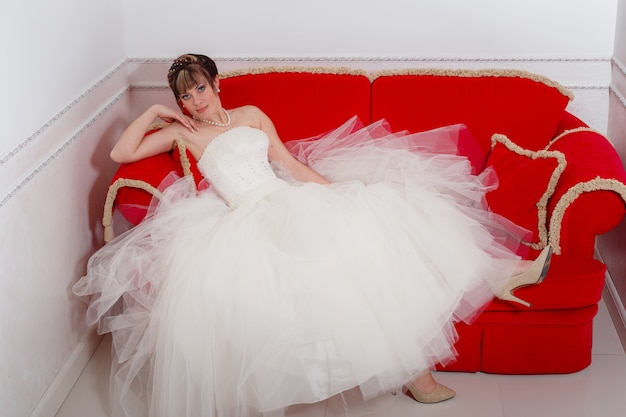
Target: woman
268,291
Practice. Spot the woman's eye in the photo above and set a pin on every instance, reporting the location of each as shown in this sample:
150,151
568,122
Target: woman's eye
201,88
184,97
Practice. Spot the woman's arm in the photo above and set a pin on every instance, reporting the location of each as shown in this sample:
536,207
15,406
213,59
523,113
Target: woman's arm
278,152
132,146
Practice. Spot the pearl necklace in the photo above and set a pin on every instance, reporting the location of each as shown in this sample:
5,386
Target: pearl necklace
211,122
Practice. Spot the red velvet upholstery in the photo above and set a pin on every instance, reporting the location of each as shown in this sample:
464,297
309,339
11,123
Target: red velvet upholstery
594,158
554,336
523,182
524,109
133,202
537,342
301,104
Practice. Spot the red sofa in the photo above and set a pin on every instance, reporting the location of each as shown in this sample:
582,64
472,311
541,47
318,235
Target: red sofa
558,178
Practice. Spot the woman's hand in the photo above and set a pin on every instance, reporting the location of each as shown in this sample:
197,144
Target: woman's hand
170,115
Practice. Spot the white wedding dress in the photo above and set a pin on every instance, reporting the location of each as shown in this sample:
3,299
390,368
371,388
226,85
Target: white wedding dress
262,292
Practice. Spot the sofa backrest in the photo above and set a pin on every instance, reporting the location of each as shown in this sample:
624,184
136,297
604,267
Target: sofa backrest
523,106
305,102
302,102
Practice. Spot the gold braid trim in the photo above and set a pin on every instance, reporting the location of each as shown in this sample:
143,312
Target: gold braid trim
107,218
296,69
542,204
477,73
184,160
569,132
158,125
597,184
185,163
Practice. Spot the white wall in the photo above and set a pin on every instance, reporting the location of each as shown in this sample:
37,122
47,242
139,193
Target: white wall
52,154
570,41
620,31
52,51
66,100
613,245
373,28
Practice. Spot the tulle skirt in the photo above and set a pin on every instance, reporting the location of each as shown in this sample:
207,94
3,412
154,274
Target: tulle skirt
306,290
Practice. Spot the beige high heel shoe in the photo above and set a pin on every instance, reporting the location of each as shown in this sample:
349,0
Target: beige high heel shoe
533,275
440,393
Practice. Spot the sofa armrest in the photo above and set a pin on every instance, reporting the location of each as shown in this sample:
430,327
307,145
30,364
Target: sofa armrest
134,185
590,195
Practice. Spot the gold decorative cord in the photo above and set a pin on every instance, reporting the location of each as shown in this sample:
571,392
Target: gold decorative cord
597,184
542,204
107,218
293,69
496,72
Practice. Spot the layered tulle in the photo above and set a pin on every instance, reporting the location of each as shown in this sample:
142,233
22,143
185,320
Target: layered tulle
307,290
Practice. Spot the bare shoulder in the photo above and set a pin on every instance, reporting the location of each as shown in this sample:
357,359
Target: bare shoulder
248,109
249,114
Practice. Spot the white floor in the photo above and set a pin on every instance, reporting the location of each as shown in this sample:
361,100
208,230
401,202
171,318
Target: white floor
598,391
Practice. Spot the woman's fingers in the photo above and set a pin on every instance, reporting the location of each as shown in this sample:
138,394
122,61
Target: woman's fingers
190,124
186,121
176,116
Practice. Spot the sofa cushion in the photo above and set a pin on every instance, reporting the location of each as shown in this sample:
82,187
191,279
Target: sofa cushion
526,181
523,106
302,102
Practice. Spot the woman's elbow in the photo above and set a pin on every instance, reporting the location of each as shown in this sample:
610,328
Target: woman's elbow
119,156
115,157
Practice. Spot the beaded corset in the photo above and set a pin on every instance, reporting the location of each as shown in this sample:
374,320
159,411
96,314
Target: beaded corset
237,166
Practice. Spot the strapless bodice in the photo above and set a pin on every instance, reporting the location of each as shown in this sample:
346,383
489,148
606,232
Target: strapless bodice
236,163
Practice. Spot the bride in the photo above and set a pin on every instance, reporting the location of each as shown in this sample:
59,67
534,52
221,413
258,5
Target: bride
304,270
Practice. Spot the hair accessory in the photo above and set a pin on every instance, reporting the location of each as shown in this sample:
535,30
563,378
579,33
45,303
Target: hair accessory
175,66
181,62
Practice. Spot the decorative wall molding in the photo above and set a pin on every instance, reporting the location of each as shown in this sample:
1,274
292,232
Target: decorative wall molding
619,78
137,74
619,64
618,95
573,73
60,114
31,157
587,78
149,86
374,59
60,149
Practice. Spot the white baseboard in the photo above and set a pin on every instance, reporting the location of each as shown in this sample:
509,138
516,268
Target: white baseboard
64,381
